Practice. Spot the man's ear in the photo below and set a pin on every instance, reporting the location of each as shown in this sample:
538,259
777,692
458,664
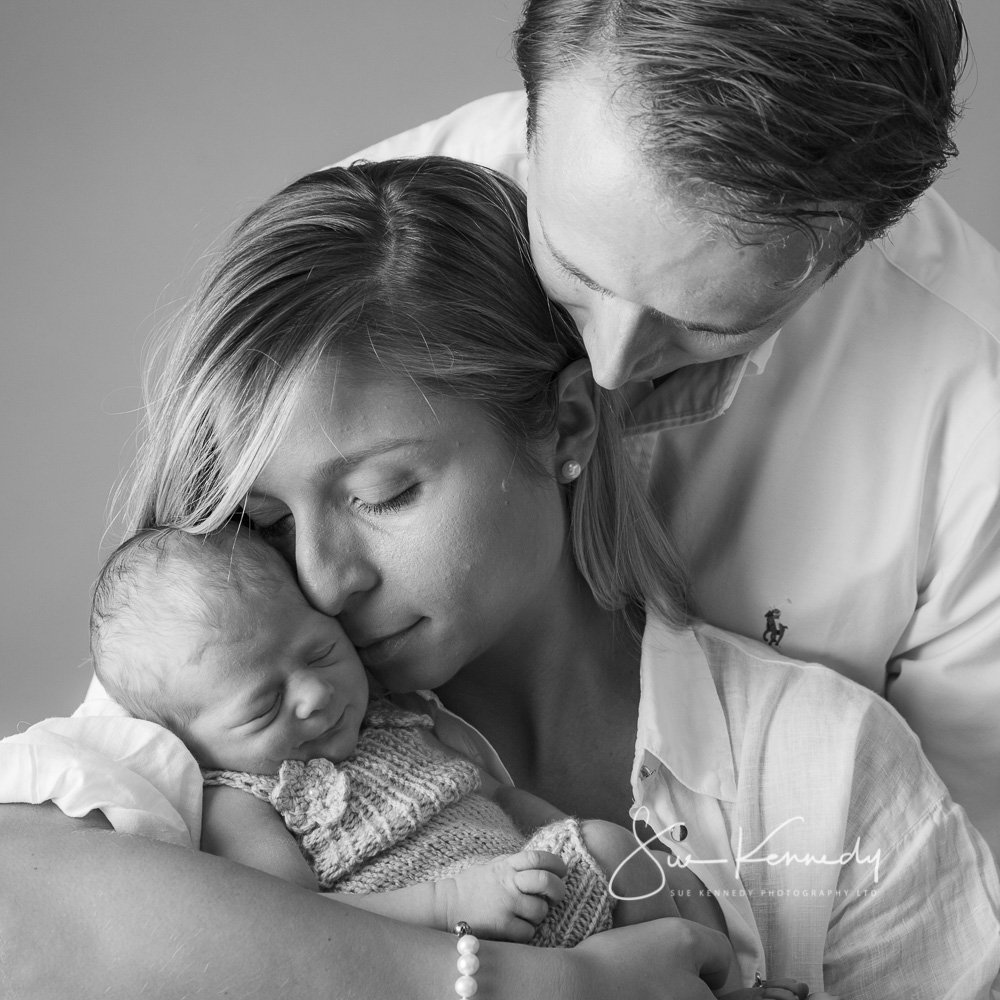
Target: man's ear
578,423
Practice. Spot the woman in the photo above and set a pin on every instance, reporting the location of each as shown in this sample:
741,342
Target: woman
373,376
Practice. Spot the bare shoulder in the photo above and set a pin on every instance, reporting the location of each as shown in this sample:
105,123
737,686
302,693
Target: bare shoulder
241,827
232,809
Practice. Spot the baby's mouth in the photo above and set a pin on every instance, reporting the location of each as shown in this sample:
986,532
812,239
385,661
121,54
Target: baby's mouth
329,731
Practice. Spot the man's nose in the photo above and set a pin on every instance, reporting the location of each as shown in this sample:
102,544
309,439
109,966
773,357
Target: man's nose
616,334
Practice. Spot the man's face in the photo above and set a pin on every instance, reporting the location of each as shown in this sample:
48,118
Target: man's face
651,289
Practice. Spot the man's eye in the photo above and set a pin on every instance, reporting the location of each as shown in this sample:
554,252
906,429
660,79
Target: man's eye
734,334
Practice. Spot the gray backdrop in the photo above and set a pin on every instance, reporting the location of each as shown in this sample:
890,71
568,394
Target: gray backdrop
133,133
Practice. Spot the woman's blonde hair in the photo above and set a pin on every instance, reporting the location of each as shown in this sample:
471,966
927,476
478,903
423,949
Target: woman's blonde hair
416,268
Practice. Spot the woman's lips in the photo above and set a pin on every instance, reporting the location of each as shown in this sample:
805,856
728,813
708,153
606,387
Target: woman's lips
385,648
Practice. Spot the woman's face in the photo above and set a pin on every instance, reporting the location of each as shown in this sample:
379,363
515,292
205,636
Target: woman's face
409,518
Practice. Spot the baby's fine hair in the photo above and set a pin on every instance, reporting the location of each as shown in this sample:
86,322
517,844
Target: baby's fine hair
413,269
158,593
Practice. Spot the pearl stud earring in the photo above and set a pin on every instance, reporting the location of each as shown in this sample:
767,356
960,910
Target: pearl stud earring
571,470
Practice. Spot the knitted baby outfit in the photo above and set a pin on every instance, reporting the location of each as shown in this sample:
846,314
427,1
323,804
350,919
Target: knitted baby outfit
399,812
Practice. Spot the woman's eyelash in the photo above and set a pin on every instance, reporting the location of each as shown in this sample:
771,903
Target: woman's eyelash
284,526
395,503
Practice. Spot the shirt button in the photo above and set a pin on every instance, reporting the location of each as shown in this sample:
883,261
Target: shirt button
644,771
678,833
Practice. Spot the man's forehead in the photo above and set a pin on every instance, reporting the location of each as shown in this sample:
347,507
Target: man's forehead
670,267
588,171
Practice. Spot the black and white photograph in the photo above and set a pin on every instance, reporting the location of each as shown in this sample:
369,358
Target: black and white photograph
503,500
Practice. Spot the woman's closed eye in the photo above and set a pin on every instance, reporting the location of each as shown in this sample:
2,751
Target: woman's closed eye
278,528
394,503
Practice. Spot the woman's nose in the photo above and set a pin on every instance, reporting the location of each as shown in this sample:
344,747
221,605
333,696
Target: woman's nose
334,576
310,693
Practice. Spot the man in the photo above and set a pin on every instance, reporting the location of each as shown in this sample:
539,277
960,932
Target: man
703,177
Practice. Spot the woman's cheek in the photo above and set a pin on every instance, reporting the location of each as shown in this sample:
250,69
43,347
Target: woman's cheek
423,562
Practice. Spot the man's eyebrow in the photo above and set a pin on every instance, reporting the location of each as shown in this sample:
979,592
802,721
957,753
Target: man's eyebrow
343,463
570,268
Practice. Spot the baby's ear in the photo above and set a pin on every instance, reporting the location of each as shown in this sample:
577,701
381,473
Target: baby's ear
577,423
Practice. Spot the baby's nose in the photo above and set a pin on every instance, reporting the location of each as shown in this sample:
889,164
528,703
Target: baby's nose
311,692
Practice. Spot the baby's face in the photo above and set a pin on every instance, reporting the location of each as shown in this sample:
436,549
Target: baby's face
279,681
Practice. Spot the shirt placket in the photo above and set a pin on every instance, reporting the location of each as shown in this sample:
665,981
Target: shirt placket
692,826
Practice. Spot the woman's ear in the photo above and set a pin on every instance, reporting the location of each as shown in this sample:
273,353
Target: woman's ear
578,423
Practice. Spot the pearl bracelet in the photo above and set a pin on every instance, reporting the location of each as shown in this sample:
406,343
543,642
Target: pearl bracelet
468,963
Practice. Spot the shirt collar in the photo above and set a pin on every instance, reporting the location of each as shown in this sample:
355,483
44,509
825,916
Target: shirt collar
761,354
694,394
681,720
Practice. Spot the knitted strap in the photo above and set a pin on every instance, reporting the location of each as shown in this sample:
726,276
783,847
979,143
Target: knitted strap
258,785
392,785
585,908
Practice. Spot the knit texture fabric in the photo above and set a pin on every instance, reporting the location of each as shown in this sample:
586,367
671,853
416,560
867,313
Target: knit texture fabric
399,812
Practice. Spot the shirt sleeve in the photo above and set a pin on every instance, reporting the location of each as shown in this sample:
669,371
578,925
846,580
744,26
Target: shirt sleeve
137,773
946,675
924,923
489,131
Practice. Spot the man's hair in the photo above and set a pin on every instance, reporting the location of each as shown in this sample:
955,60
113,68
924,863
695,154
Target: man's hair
156,592
768,112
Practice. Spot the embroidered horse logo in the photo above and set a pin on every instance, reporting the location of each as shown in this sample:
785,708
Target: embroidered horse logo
775,631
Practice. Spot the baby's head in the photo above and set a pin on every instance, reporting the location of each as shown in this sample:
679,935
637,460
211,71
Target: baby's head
210,636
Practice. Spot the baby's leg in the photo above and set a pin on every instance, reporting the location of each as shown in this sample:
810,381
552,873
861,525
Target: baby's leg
645,886
637,882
